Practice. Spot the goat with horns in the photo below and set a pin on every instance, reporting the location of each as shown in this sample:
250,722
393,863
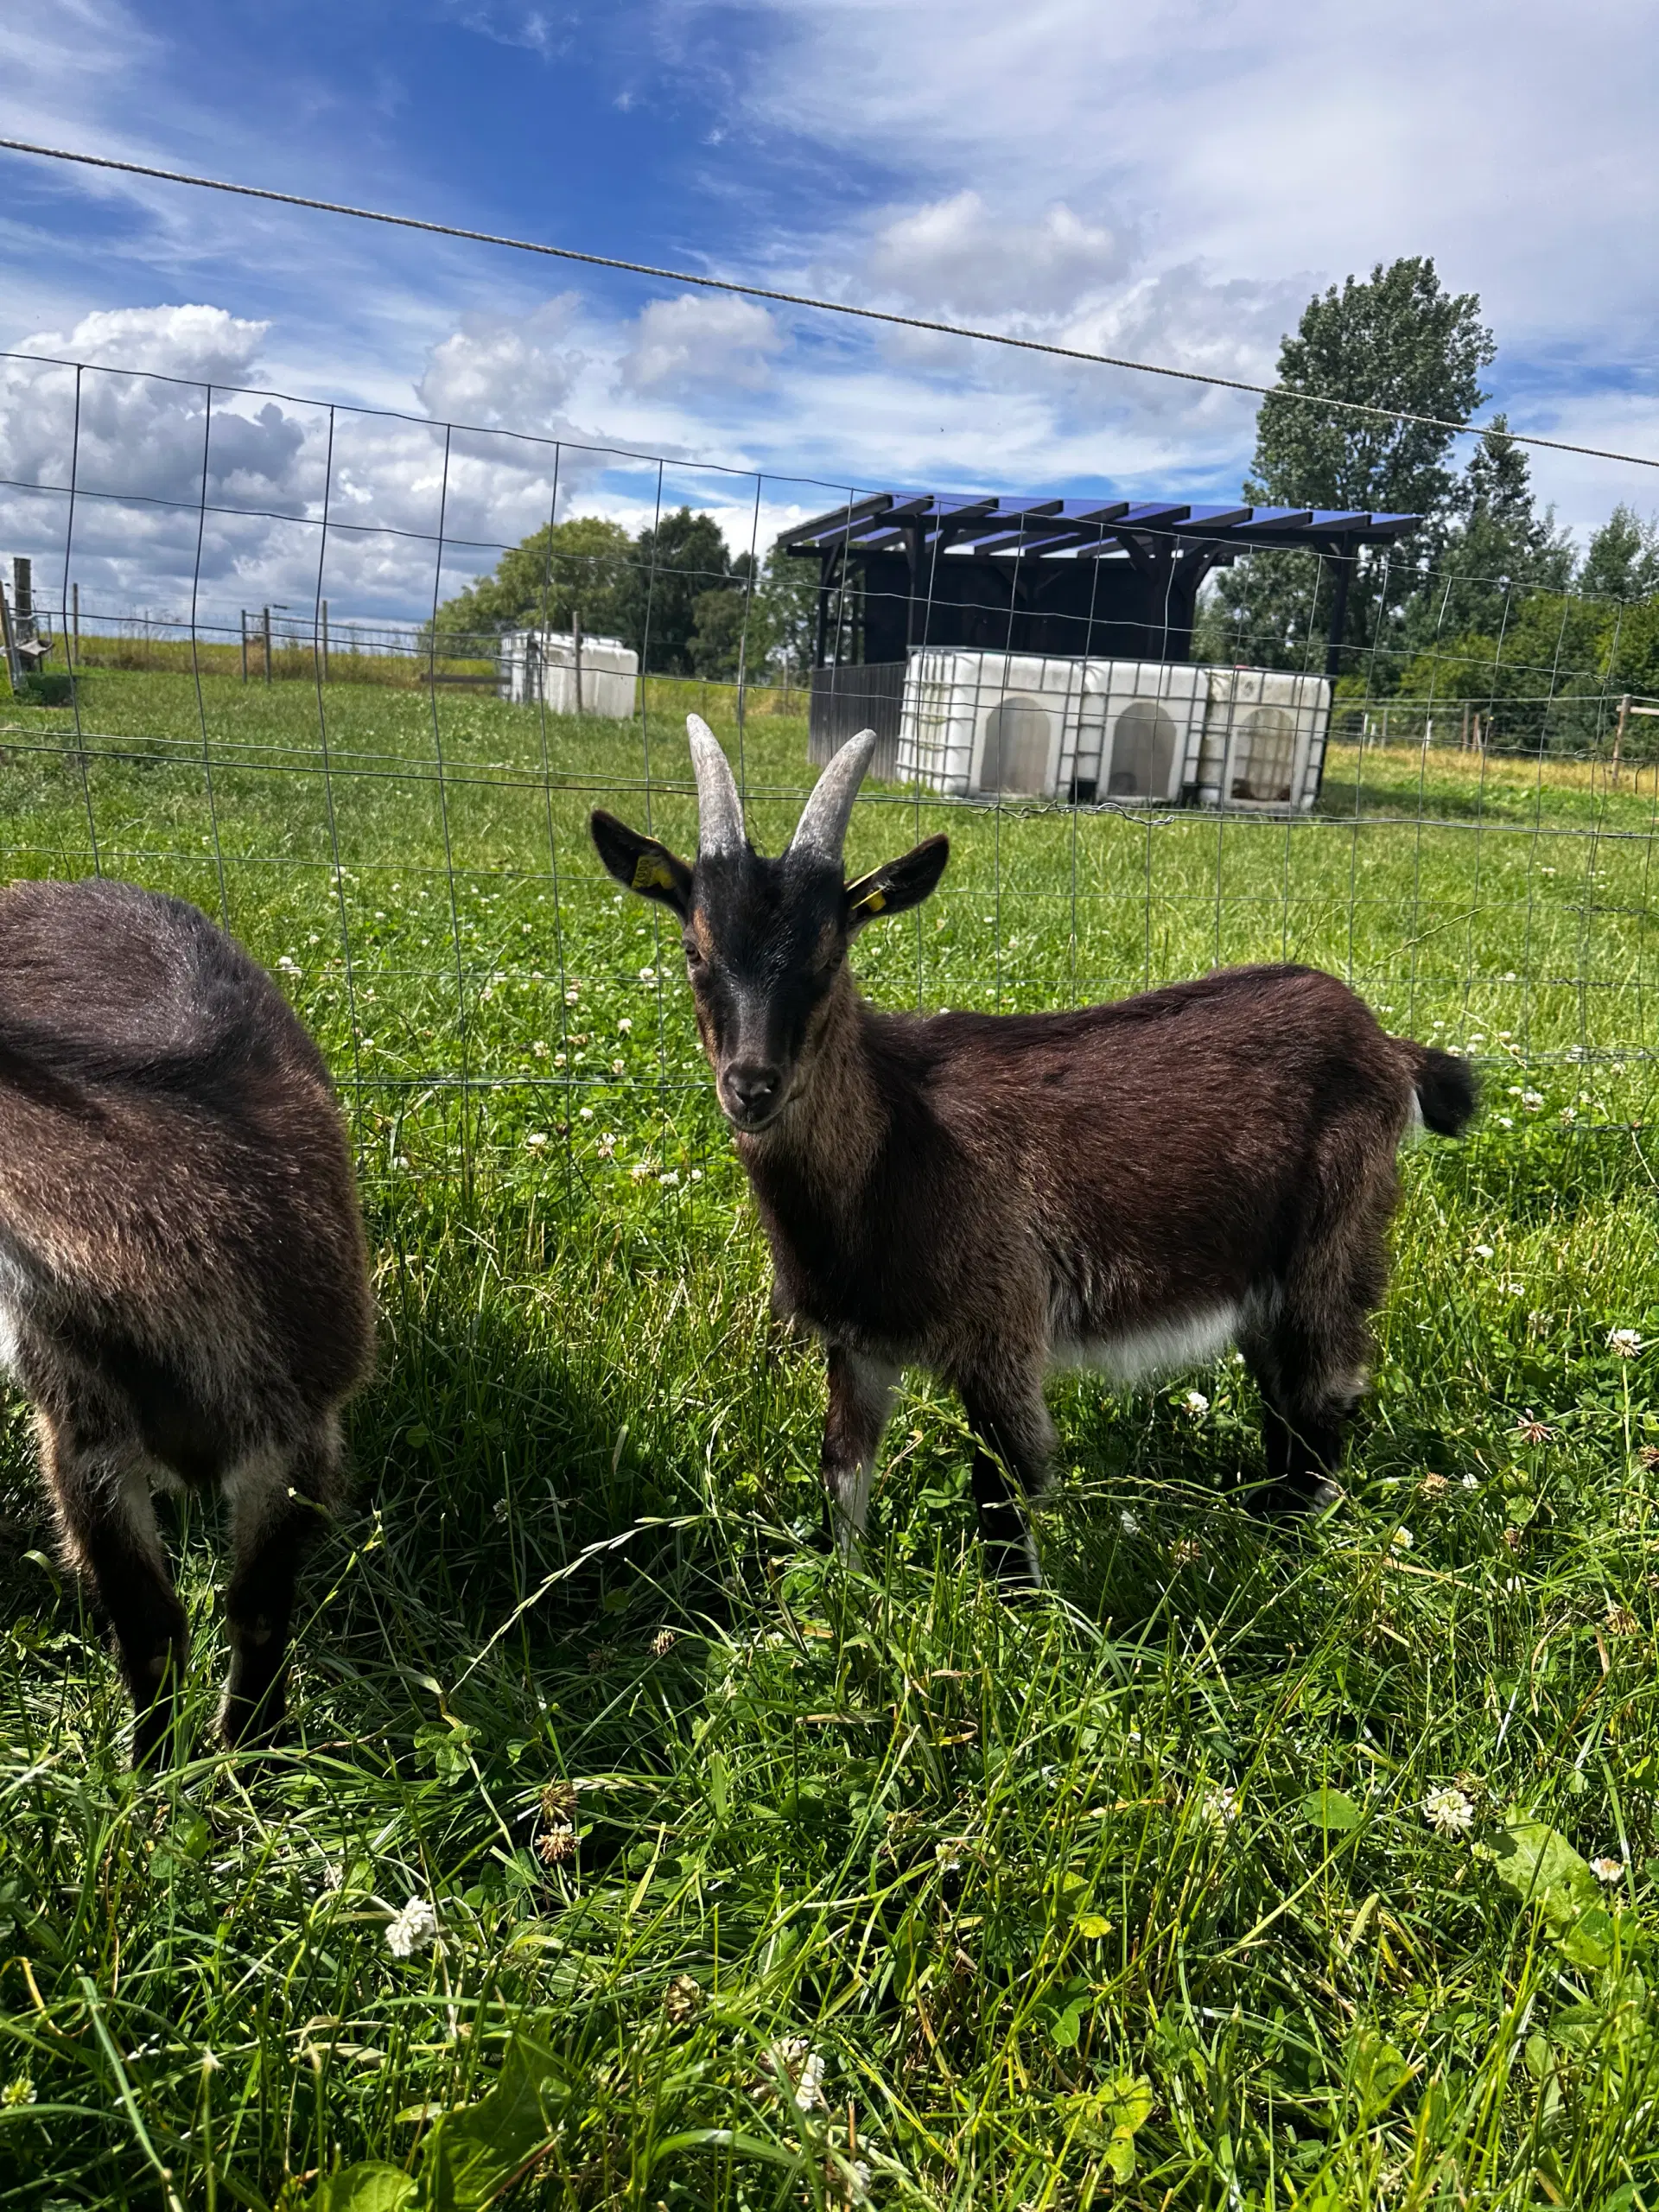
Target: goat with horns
184,1290
1131,1187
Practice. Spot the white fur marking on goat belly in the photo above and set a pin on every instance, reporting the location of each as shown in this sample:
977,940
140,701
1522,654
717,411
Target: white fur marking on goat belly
10,1337
1182,1340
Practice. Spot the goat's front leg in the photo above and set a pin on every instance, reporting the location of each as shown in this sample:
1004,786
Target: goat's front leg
99,1481
1015,1440
861,1398
280,1501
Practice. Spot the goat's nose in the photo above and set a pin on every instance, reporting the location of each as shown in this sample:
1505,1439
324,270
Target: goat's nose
752,1087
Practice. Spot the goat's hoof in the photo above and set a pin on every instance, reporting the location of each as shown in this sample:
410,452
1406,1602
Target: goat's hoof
1302,1501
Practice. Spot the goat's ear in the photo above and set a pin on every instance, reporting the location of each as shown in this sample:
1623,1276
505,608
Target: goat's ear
640,863
897,884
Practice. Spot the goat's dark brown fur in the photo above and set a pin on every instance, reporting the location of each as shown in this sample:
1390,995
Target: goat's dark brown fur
1129,1185
184,1290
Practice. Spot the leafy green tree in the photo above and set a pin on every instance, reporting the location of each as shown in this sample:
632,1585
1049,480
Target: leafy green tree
726,635
1397,341
671,567
789,597
1499,546
1622,559
558,571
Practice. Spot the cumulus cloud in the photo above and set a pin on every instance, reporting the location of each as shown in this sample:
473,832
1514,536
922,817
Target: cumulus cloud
699,340
507,373
203,343
957,256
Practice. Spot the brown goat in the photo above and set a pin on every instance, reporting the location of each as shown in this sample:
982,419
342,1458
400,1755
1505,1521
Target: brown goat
184,1292
1131,1187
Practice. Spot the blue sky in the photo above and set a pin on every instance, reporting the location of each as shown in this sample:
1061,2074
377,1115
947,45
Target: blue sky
1170,181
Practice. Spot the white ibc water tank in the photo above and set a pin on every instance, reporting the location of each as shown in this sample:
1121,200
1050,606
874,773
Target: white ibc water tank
1122,733
1264,738
1138,732
996,723
543,668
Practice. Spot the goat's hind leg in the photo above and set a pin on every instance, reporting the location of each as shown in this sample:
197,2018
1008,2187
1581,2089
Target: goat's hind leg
98,1475
281,1498
1014,1442
861,1398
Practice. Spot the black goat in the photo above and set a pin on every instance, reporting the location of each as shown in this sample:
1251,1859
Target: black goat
184,1289
1132,1186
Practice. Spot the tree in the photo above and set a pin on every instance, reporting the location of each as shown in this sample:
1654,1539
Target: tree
1622,559
1396,342
671,567
1499,549
570,567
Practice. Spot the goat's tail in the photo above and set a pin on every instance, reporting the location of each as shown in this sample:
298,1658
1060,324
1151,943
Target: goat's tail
1446,1088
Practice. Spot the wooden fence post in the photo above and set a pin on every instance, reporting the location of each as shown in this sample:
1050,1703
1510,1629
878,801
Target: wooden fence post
74,620
575,638
1622,724
245,645
267,645
325,641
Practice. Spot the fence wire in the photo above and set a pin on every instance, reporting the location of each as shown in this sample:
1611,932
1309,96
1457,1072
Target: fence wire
254,698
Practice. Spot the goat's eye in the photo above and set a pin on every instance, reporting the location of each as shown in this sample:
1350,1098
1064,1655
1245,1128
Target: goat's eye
693,957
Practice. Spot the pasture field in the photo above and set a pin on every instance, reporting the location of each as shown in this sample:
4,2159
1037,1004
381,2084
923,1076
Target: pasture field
757,1883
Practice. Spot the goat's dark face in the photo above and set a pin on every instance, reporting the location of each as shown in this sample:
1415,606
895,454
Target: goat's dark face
765,944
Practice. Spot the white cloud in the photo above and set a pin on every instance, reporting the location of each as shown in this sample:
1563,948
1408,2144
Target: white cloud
202,343
507,373
958,257
700,341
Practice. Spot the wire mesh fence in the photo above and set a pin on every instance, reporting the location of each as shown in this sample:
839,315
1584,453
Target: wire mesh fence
259,695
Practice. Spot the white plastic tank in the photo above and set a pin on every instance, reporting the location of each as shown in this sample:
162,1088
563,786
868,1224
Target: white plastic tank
996,723
1122,733
547,668
1264,738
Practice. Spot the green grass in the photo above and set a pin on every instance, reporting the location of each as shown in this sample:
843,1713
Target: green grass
1055,1894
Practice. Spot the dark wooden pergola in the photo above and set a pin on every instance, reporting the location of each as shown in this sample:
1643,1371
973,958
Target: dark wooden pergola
1062,577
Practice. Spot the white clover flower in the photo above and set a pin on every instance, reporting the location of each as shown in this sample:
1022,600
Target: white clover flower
619,1067
1505,1121
1129,1524
696,1174
558,1059
1532,1100
1625,1342
537,1137
1448,1811
573,994
1196,1403
639,1171
1402,1540
799,2069
647,975
671,1176
584,1112
1221,1806
1607,1869
1470,1483
626,1025
540,1048
1483,1251
411,1929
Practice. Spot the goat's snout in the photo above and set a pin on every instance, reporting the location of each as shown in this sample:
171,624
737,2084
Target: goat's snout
751,1091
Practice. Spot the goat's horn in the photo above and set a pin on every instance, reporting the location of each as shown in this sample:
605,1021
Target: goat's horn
720,811
822,826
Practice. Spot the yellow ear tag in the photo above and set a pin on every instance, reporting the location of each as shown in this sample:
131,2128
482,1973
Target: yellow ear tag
873,902
652,873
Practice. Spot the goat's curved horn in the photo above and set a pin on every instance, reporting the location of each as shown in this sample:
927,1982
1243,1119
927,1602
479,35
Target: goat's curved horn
822,826
720,811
